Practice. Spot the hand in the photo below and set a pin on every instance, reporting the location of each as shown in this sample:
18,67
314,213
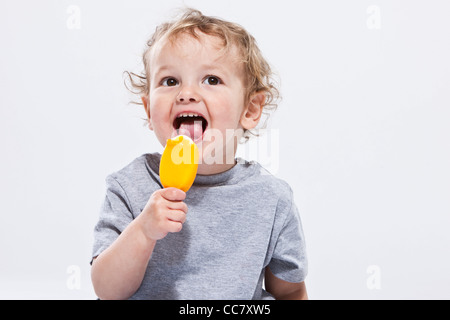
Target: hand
164,212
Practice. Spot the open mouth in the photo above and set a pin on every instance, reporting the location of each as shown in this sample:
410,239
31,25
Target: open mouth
190,124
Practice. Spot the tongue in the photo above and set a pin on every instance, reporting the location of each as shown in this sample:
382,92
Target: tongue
191,128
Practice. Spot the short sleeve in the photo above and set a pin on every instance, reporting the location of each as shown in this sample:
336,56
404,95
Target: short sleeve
289,261
115,215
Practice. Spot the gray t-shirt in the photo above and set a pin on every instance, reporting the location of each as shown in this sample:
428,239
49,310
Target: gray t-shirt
238,222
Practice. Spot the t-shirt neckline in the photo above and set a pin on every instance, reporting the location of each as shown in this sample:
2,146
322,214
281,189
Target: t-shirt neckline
241,169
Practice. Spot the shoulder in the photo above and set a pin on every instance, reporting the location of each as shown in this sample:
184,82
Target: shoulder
271,184
268,190
136,171
136,181
135,167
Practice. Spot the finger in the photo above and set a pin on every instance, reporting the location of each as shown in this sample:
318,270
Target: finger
177,216
173,194
177,205
174,226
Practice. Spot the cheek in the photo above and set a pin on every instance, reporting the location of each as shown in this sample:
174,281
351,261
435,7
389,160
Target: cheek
160,119
159,109
226,110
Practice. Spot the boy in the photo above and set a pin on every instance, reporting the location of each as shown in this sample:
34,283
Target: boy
237,225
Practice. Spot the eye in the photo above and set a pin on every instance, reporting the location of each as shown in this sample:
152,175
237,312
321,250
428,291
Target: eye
169,82
212,80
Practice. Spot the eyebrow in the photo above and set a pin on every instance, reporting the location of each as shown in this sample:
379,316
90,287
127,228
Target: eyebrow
162,68
211,67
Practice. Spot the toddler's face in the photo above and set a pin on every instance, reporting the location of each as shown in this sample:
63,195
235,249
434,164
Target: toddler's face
196,90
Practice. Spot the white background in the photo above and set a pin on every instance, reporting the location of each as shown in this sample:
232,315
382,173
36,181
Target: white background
363,133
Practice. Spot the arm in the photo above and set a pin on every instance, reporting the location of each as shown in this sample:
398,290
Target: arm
118,271
284,290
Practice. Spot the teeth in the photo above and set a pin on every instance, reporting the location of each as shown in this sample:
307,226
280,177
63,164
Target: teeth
185,115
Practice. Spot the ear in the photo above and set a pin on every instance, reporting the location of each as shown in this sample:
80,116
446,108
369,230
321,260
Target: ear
147,110
253,111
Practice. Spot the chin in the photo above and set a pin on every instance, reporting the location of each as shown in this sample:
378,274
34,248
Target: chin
214,154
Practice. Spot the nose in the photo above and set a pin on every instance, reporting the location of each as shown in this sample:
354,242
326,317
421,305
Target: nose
188,94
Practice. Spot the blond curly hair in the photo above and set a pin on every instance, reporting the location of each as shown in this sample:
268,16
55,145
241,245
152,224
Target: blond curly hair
259,75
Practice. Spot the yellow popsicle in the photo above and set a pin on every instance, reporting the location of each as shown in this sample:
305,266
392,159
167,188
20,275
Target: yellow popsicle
179,163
